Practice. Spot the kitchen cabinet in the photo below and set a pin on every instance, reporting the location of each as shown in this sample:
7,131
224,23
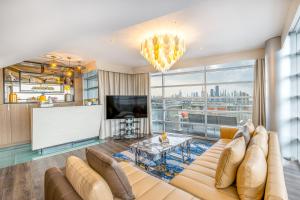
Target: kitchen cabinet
78,90
1,86
20,123
14,124
5,126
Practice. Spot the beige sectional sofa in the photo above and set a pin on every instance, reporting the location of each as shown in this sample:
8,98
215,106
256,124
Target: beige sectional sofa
199,178
197,181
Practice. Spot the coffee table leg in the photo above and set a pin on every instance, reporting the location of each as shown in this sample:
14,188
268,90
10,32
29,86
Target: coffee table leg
186,146
136,157
188,149
182,152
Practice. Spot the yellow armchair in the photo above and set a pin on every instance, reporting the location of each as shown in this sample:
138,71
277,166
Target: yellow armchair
227,132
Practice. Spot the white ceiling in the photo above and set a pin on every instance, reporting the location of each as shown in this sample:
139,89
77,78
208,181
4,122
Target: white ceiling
110,31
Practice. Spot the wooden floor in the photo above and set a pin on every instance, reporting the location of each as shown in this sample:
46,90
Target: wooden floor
26,181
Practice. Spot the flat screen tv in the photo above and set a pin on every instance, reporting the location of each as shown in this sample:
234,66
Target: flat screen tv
119,107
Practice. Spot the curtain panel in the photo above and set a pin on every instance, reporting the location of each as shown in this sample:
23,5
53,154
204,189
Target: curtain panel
115,83
259,106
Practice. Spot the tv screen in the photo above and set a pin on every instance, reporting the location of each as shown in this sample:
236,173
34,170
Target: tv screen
119,107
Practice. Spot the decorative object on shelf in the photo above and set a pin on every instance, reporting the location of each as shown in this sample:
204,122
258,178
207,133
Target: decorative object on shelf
42,98
163,50
68,97
80,67
53,63
47,104
13,98
11,77
43,88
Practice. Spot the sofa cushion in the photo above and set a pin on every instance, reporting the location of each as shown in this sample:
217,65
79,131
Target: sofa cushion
243,132
261,130
275,187
227,132
250,126
229,161
147,187
86,182
260,140
252,174
57,187
198,178
109,169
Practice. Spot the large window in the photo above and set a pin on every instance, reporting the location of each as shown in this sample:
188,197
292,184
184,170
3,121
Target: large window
90,87
200,100
290,95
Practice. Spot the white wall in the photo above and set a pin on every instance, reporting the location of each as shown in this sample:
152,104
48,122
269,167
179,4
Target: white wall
291,19
272,58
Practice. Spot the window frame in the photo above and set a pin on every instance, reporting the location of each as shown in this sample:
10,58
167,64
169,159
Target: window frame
205,111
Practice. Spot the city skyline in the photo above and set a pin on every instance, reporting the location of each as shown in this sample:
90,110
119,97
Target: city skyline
217,91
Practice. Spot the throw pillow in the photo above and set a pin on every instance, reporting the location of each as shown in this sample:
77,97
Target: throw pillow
260,140
110,170
243,132
250,126
85,181
252,174
261,130
229,161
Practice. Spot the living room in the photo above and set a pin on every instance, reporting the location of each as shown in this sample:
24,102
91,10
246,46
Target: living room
149,99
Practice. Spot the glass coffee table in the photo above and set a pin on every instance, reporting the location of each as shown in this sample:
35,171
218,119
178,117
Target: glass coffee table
154,150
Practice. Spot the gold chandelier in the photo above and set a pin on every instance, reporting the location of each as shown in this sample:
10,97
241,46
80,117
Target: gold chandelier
162,51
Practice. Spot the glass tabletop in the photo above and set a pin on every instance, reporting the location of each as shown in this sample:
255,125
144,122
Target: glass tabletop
154,146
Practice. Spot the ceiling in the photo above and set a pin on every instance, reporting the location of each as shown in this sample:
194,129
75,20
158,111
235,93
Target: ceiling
110,31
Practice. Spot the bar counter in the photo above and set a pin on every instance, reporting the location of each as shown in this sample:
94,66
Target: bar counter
59,125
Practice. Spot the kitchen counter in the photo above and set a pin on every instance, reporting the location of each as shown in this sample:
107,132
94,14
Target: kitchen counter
59,125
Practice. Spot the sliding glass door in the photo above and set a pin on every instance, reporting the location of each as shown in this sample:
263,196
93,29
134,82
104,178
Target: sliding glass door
199,100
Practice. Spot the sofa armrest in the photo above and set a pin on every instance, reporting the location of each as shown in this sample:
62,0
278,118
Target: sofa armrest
57,187
227,132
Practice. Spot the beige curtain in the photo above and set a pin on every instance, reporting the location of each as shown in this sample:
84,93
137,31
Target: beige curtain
114,83
259,110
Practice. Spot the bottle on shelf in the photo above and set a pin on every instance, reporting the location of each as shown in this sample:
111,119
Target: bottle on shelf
12,97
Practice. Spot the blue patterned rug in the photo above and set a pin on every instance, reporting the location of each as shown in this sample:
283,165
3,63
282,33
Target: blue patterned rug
175,164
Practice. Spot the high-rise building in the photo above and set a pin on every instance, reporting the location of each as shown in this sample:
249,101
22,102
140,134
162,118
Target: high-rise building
217,91
212,92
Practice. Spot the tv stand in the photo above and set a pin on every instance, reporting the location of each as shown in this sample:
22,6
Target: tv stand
128,129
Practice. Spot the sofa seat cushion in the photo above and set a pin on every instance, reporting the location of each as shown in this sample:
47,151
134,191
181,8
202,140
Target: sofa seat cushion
198,178
146,187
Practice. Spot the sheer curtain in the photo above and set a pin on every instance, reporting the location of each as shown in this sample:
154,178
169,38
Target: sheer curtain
259,110
115,83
